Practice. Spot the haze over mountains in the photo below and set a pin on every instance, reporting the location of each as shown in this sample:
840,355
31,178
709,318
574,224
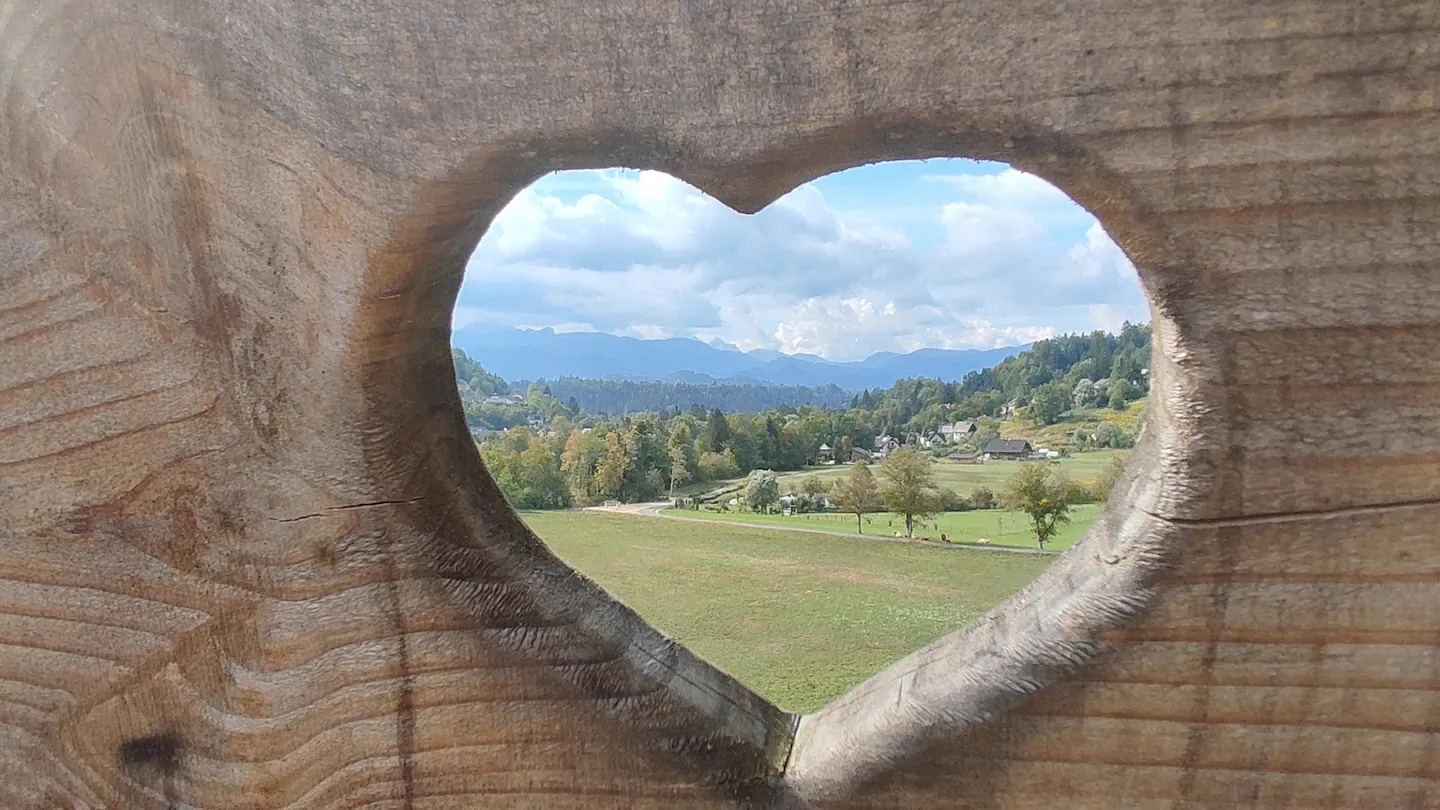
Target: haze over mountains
524,354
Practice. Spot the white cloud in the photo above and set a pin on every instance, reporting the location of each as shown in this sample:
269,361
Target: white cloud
1003,258
559,328
1098,257
1009,187
972,228
647,331
1107,317
853,328
466,316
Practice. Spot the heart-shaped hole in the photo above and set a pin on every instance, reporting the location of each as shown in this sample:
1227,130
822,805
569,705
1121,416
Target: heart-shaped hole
628,344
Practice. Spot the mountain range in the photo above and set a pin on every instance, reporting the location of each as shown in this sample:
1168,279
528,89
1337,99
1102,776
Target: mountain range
536,354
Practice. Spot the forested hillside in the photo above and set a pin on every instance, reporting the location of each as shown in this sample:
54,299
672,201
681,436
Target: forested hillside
618,397
473,380
559,453
1049,378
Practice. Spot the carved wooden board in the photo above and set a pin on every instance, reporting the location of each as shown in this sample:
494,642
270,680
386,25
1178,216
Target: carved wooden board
248,556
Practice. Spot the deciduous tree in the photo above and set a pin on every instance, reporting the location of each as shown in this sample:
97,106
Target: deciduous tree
1048,403
761,489
681,454
1041,491
679,469
856,494
1119,393
582,452
717,466
908,486
610,472
1109,434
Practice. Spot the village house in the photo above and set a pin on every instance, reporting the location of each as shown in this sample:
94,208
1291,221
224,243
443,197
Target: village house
1014,449
958,432
885,444
925,441
860,454
959,457
825,455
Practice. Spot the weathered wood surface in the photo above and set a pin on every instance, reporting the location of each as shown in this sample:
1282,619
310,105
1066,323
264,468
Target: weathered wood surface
249,559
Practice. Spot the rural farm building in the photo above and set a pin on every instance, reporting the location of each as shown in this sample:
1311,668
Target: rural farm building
1007,448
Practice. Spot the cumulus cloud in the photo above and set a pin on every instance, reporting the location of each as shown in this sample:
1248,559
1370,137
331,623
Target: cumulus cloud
1008,187
857,327
1002,258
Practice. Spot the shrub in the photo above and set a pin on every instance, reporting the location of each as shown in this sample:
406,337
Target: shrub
982,498
1109,434
717,466
1109,478
948,500
1083,492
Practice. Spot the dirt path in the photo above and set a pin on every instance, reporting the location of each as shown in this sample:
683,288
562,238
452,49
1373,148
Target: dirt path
653,509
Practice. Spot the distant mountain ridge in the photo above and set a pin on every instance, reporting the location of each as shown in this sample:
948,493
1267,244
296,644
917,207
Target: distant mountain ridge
516,354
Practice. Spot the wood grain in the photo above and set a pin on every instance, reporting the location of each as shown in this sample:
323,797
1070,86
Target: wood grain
249,558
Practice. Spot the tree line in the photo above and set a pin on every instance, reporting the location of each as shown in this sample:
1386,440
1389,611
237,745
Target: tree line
1098,369
552,453
644,456
1049,378
619,397
906,486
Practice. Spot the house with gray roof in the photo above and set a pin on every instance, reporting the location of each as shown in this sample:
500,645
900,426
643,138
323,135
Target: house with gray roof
1007,448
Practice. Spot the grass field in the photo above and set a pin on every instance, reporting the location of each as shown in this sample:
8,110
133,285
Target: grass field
799,617
963,478
1000,527
1053,436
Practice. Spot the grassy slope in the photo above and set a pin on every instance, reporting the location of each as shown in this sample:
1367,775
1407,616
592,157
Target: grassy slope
1000,527
800,617
963,478
1058,434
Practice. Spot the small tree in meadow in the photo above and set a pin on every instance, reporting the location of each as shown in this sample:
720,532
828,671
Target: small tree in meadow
1043,492
856,494
908,487
762,489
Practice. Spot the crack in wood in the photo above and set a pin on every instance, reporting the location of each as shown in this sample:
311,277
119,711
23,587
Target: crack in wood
1263,518
344,507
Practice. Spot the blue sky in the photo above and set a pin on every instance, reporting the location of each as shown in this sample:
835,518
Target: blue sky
890,257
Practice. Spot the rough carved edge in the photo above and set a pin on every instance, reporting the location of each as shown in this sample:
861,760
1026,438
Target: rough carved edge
967,677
